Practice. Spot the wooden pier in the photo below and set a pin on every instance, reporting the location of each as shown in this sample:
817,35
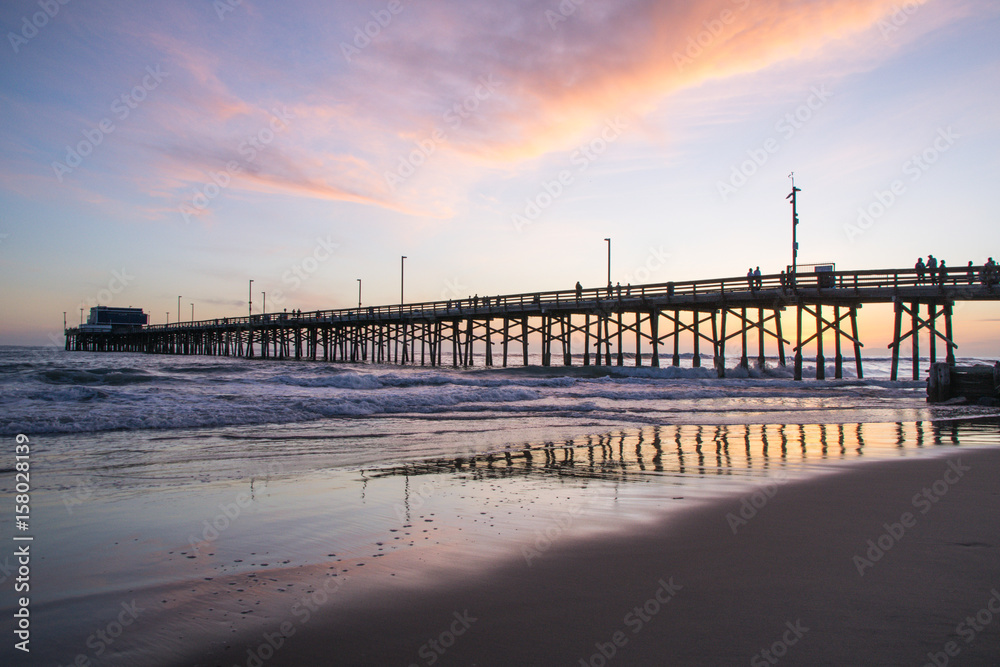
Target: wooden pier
644,323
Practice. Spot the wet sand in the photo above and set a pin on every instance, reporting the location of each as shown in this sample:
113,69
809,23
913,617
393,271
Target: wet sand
798,583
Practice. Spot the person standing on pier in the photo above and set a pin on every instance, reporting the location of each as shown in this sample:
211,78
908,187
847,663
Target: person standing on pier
919,266
579,290
942,273
932,265
750,278
757,279
970,273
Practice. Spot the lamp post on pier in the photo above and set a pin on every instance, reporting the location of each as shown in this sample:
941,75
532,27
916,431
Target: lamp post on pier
250,300
178,309
359,293
263,307
402,268
192,312
609,261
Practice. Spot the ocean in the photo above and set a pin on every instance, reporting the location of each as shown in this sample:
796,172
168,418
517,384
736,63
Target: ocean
198,490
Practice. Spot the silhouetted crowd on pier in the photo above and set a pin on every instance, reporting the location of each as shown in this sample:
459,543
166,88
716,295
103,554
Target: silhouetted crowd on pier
936,272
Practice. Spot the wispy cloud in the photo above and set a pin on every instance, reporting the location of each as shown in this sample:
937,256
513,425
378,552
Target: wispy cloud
557,75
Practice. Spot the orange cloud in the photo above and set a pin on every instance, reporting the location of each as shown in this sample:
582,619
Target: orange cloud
625,64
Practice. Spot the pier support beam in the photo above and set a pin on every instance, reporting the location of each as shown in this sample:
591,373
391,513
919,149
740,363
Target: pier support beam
916,324
798,342
720,346
820,359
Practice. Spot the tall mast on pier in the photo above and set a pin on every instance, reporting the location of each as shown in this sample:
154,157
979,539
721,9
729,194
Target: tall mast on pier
795,221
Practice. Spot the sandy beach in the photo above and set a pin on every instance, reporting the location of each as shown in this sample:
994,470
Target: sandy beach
887,563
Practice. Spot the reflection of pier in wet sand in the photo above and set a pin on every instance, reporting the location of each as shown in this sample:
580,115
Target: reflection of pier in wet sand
631,454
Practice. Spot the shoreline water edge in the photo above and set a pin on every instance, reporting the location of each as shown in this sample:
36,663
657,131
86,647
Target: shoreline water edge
200,511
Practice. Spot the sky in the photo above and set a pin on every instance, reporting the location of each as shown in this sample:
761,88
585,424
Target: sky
156,150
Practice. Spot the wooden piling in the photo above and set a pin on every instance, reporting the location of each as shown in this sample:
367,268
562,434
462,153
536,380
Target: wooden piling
820,359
